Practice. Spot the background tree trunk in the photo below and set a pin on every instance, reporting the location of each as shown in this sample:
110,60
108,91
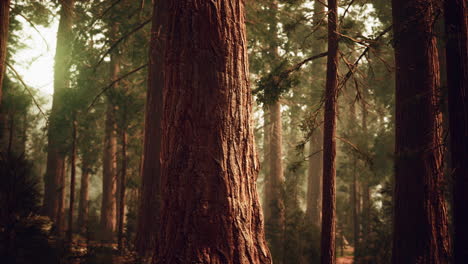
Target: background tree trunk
4,27
54,178
329,144
457,77
420,219
210,210
122,191
109,166
83,203
150,198
72,184
314,178
275,213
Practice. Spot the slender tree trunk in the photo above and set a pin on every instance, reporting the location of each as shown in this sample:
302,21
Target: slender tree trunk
54,178
329,144
72,185
355,202
209,164
420,217
4,27
83,204
149,209
122,190
457,79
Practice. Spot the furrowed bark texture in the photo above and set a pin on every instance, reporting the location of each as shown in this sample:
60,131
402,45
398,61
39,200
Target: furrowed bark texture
456,22
329,144
210,209
420,217
149,210
4,24
54,182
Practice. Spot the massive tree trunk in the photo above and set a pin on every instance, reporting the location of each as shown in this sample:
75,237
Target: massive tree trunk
148,216
210,210
109,166
420,218
83,203
329,144
4,27
54,178
457,79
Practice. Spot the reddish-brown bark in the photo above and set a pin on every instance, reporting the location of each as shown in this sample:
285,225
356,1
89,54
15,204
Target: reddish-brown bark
148,217
54,178
210,210
420,217
456,20
329,145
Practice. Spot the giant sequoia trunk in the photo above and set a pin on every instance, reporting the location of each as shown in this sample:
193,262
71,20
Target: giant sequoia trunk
54,178
457,79
420,219
4,25
148,216
329,145
210,211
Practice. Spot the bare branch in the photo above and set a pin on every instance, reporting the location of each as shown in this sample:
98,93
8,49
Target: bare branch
27,89
114,45
107,87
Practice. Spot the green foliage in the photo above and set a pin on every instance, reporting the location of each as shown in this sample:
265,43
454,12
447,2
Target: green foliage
274,84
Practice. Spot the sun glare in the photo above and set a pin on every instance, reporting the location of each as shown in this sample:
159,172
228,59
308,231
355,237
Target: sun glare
36,61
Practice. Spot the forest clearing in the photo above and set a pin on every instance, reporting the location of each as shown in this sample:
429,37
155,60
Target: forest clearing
234,132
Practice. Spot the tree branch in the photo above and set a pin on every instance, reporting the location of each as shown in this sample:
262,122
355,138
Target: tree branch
107,87
27,89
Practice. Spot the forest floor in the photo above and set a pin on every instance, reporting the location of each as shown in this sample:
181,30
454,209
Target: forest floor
347,256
